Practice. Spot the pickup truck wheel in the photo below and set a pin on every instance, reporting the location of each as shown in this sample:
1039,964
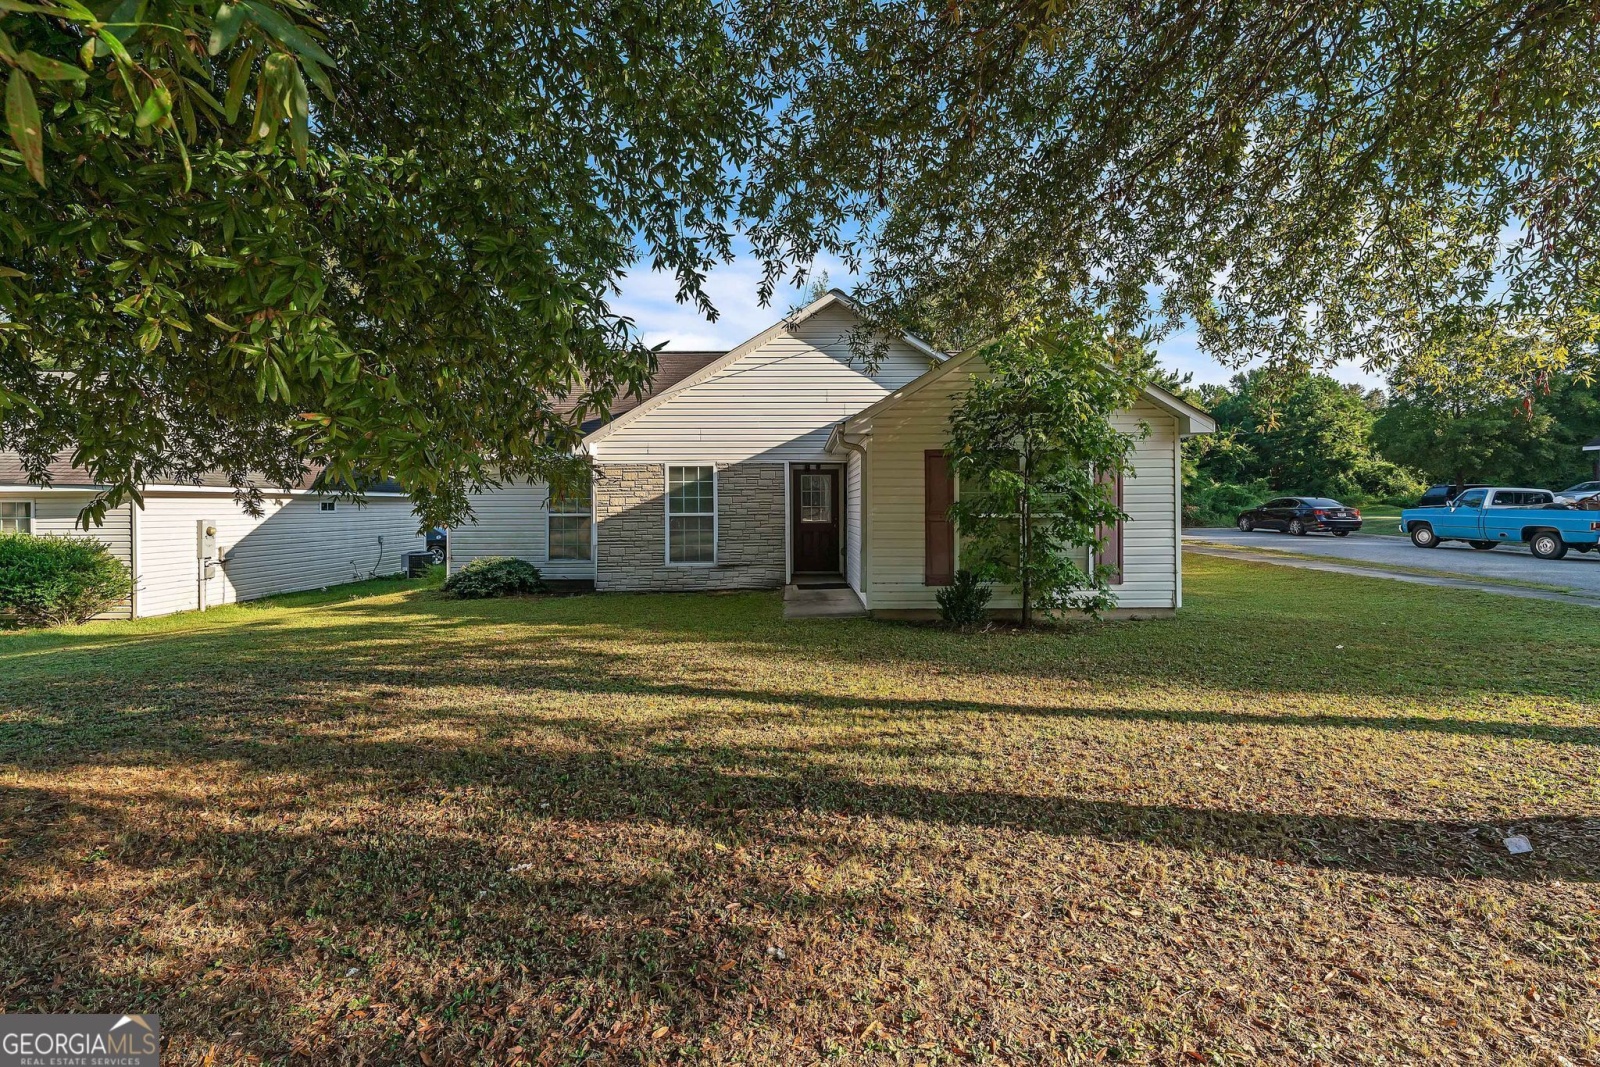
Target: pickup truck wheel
1547,544
1297,527
1482,546
1422,536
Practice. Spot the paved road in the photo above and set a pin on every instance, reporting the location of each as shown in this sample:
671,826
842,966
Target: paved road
1579,572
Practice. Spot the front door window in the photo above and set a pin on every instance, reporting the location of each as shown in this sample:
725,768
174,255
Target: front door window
816,498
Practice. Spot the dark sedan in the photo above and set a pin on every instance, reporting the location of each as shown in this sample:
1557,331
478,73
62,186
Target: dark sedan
1300,515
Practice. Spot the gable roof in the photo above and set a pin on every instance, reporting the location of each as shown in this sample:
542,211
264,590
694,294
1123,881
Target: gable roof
658,397
671,368
1191,420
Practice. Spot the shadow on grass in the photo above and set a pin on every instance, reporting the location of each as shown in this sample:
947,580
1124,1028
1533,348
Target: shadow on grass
309,725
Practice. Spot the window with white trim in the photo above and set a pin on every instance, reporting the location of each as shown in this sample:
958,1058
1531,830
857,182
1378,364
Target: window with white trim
326,505
16,516
569,533
691,514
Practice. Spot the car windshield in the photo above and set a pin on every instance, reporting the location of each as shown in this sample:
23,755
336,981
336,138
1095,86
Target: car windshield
1583,487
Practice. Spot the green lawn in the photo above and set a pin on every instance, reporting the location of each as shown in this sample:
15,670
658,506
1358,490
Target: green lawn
394,828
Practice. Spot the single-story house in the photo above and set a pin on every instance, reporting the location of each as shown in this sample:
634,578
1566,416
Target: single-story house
787,460
302,539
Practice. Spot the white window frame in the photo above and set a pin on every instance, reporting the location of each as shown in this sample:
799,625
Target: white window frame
667,513
327,505
550,513
33,510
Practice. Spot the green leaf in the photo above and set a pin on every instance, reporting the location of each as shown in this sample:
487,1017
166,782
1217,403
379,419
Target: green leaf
127,18
238,81
22,119
156,107
7,49
86,54
299,115
113,42
49,70
287,33
229,20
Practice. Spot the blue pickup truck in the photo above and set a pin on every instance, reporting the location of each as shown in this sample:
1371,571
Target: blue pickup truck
1487,517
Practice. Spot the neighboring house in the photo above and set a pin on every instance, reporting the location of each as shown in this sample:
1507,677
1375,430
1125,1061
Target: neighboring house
786,458
1594,446
302,540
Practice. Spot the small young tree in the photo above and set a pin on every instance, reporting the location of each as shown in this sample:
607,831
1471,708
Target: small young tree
1033,449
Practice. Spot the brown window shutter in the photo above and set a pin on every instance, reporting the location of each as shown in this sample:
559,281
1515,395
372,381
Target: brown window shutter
1112,551
939,537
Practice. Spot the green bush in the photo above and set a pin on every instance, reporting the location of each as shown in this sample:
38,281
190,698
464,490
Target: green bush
51,581
1219,503
495,576
962,604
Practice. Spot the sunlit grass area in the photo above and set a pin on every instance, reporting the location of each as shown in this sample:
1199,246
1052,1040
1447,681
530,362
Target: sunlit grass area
379,826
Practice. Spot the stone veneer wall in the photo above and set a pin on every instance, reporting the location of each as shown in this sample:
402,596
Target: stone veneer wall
631,535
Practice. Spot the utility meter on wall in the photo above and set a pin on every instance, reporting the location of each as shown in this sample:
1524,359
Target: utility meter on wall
206,545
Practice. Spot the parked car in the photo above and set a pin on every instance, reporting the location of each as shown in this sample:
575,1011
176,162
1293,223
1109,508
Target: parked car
1487,517
434,541
1438,496
1581,491
1300,515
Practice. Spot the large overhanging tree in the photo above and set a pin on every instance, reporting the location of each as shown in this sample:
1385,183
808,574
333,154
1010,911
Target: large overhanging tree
1305,181
364,239
380,238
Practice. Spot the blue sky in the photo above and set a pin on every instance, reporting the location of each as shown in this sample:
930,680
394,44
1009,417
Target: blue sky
648,298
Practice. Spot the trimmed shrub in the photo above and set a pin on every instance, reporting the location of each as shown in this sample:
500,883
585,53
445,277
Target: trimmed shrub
52,581
495,576
962,603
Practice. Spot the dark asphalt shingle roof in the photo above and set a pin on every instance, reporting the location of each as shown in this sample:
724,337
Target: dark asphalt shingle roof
63,475
671,368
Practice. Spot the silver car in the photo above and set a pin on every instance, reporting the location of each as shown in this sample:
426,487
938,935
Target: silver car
1581,491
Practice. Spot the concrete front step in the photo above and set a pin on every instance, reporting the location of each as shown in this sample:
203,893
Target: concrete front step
801,603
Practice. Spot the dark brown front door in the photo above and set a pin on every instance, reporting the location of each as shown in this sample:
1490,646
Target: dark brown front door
815,496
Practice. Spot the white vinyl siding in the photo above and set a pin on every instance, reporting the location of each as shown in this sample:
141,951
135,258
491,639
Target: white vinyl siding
293,545
55,514
514,521
895,502
775,403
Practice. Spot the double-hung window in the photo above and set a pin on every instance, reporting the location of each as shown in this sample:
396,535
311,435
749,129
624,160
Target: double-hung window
16,516
571,523
691,514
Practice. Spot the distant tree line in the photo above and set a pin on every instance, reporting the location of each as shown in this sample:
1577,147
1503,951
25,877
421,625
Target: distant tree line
1310,434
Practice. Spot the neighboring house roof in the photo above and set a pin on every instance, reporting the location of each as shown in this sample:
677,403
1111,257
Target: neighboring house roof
1191,420
659,396
671,368
1592,446
63,475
